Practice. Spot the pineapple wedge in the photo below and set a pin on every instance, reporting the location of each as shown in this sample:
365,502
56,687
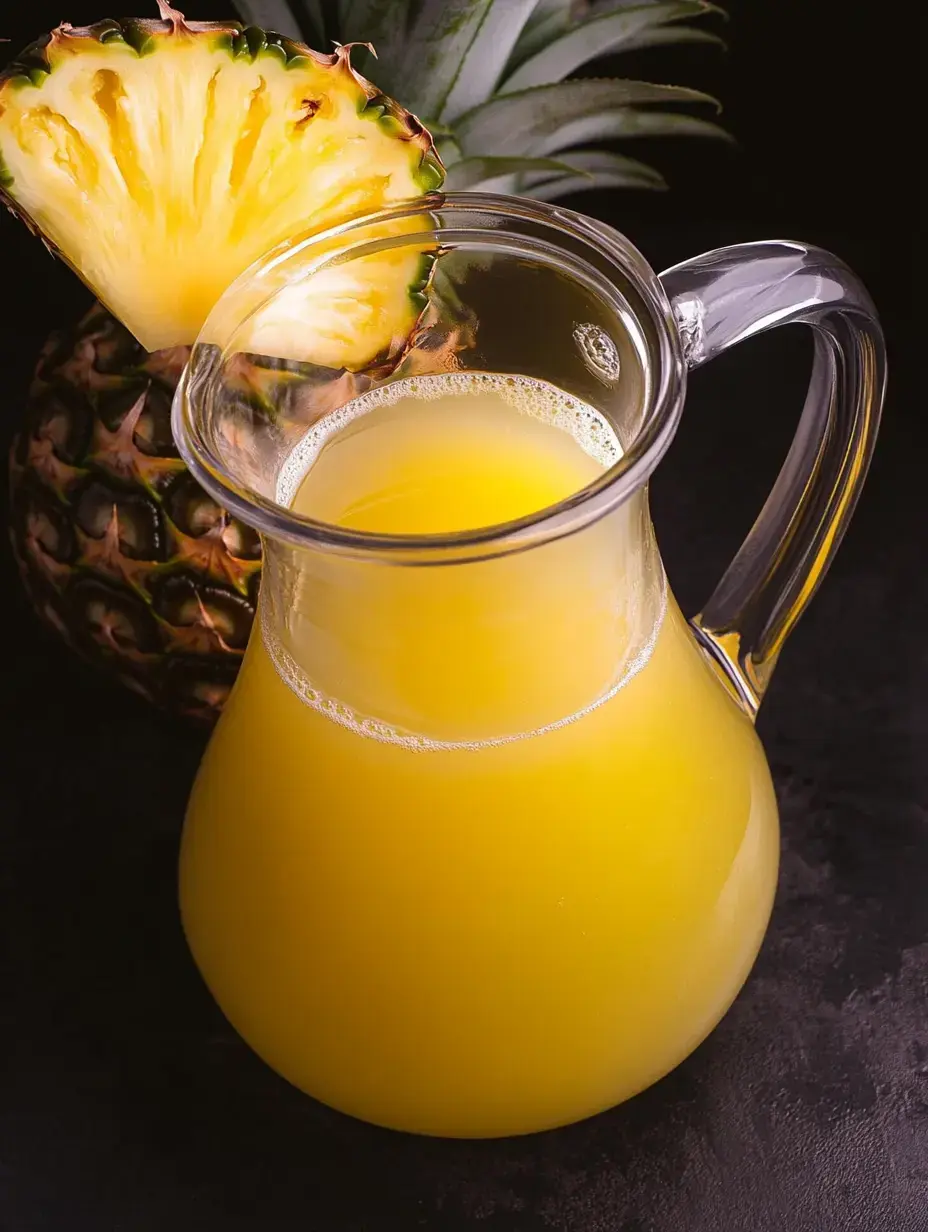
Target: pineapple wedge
161,158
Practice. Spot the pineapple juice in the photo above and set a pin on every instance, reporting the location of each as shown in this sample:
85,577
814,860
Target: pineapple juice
491,849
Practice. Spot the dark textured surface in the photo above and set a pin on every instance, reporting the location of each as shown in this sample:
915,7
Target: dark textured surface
126,1102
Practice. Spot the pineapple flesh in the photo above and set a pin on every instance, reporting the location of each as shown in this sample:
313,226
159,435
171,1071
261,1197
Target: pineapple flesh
162,158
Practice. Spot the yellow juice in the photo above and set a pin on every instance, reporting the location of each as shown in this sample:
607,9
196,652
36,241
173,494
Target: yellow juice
477,848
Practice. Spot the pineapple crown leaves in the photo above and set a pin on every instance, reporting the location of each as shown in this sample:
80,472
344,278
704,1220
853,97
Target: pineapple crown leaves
479,71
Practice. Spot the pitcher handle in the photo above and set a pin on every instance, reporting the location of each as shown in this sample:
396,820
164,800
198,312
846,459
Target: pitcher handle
730,294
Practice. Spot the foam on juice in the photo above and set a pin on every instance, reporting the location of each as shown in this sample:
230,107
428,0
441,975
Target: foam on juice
590,429
535,399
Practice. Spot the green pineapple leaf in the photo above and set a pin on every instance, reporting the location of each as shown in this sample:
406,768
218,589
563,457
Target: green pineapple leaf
519,123
662,36
598,36
595,169
472,171
487,57
299,19
422,59
549,19
626,122
374,21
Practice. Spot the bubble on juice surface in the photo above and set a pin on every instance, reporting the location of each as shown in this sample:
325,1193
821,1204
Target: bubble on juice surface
589,428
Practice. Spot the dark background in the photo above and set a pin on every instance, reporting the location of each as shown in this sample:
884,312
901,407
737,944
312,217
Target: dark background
126,1102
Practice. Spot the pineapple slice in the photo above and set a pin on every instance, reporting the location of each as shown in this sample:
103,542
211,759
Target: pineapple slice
161,158
307,305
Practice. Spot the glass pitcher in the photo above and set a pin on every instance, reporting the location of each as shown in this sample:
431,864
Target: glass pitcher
485,841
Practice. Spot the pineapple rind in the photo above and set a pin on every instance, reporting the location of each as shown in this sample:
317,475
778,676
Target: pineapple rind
184,660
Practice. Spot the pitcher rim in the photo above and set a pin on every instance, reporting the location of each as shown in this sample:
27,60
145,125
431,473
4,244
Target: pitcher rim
588,504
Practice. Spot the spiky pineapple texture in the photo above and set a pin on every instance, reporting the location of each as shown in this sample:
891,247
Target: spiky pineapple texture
487,77
120,550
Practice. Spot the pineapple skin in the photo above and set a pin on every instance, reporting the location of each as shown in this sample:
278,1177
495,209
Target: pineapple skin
121,552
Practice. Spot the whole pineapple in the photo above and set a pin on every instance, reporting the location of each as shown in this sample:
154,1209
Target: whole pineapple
120,550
